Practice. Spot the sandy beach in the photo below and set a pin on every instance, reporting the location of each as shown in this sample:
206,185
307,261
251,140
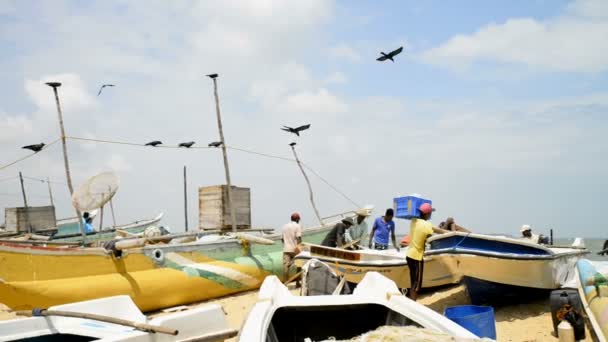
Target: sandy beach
524,322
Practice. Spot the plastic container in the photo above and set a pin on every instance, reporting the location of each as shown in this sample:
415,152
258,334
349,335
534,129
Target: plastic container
407,207
477,319
565,332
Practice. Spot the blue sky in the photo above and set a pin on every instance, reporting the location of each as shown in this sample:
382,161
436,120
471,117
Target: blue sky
495,110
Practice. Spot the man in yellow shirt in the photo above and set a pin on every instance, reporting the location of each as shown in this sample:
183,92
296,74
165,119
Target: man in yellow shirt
420,230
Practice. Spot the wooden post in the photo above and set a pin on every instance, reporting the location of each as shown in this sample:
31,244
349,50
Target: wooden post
48,182
551,236
185,200
312,200
226,169
27,214
66,162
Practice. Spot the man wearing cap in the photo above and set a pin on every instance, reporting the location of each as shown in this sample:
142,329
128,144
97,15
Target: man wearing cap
381,229
526,234
335,237
420,229
359,229
292,238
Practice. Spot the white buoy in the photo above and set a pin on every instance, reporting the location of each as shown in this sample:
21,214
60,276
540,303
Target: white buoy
565,332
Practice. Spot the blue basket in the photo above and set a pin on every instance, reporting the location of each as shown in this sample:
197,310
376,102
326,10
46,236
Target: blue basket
477,319
407,207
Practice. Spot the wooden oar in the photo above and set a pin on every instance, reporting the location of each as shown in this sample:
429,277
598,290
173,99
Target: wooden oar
350,244
38,242
294,277
139,326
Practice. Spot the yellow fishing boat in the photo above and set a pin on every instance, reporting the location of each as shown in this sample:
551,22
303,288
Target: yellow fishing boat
154,276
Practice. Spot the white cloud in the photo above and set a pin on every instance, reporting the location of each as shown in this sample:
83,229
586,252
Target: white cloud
336,78
574,41
14,127
345,52
320,101
72,93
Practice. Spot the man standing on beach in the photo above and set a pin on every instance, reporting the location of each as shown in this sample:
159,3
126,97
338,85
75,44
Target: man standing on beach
292,238
381,229
420,230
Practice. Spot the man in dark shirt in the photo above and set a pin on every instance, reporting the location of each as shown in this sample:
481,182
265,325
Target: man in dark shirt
335,238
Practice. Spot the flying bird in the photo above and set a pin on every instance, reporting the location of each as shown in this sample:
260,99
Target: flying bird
296,130
103,86
292,144
212,75
35,148
186,144
215,144
389,55
154,143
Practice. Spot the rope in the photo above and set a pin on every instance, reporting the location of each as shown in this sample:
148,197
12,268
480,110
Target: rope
132,144
43,180
26,157
331,186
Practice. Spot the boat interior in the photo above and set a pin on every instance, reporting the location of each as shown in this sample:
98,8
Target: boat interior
327,322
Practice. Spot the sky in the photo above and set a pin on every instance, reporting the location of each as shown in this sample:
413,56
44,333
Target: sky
495,110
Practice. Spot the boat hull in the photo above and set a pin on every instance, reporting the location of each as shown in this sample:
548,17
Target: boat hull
155,277
438,270
595,305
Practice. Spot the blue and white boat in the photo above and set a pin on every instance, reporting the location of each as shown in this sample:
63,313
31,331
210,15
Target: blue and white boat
500,269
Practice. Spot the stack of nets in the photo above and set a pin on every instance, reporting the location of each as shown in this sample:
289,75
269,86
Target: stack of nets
407,333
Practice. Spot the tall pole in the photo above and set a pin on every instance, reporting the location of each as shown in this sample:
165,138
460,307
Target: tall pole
27,214
226,169
48,182
312,200
56,85
185,200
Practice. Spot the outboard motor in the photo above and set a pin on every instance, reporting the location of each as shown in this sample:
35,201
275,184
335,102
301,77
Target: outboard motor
566,305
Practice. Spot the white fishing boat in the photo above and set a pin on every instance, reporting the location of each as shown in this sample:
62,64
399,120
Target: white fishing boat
376,302
206,323
355,264
503,269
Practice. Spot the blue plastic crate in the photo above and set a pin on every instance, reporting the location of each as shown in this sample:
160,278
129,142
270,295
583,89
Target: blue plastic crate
407,207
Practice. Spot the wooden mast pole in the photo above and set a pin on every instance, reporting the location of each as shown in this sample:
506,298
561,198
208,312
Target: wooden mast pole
224,153
312,200
66,162
185,200
27,213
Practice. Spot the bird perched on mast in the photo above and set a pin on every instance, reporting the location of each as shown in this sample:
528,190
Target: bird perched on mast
36,148
103,86
186,144
296,130
389,55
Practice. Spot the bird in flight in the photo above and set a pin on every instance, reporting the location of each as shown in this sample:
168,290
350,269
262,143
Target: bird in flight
215,144
154,143
389,55
35,148
296,130
187,144
103,86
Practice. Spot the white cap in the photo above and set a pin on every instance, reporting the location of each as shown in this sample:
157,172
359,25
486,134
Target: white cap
525,227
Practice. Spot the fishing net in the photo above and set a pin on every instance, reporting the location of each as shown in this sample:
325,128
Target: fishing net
406,333
95,192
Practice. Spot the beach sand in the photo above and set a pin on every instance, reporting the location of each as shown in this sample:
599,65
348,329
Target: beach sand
524,322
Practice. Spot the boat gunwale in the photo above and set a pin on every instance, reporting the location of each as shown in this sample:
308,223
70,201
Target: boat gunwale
499,255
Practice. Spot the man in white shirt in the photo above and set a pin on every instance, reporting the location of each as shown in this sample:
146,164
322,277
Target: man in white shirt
359,230
292,238
526,234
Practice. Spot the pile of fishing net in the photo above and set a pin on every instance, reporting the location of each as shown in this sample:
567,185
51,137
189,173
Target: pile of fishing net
403,334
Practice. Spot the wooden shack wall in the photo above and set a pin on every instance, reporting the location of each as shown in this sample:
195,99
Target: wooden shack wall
39,217
214,209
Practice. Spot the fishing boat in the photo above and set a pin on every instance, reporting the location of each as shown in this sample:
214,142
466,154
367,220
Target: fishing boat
155,276
500,269
355,264
280,316
70,231
117,319
593,291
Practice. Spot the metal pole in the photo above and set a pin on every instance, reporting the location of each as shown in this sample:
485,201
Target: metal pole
226,169
551,236
112,208
48,182
66,162
185,199
312,201
27,215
